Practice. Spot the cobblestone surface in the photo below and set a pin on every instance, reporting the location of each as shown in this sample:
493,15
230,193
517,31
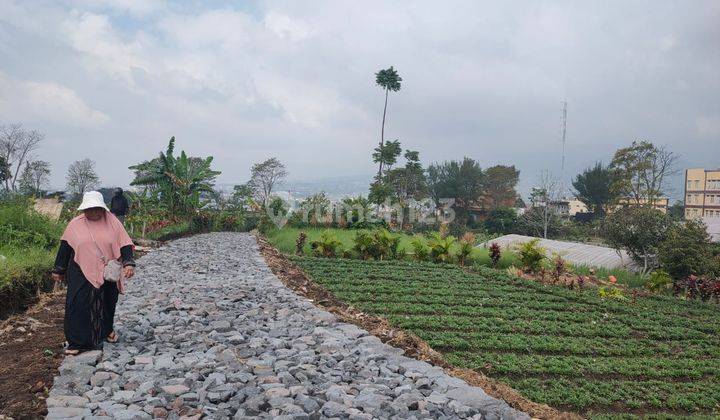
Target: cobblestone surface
208,331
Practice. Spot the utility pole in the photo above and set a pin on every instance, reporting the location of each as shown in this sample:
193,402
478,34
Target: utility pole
562,164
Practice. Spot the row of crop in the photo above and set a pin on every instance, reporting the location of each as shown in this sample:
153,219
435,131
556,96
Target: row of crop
661,326
500,325
484,278
542,335
580,393
550,344
528,310
519,365
461,281
608,328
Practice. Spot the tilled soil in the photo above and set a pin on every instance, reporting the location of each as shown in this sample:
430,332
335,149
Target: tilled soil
30,353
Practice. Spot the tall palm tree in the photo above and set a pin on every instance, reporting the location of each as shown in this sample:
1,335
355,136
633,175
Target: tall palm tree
388,79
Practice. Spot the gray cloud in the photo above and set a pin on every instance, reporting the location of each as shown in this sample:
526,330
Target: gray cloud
112,81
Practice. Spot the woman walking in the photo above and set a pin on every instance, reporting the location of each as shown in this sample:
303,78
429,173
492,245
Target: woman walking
92,251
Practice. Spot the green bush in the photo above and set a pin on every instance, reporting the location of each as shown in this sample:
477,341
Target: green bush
227,221
201,222
421,250
610,292
686,250
501,220
21,226
326,246
531,255
378,245
363,245
658,280
441,248
464,252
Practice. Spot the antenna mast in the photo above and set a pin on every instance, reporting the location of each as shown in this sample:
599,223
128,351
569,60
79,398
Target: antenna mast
562,164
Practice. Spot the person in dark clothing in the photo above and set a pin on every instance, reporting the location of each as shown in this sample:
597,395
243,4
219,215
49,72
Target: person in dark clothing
91,300
119,205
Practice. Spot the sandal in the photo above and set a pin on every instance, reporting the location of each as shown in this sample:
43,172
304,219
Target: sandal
71,352
113,337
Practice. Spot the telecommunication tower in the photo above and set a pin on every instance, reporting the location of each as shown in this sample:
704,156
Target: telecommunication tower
562,164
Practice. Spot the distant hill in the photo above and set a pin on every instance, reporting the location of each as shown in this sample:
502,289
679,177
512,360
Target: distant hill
335,187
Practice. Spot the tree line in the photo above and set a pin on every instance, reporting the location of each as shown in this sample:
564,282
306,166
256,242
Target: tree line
22,173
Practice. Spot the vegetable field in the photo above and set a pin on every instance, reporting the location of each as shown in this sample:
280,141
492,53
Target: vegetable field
566,348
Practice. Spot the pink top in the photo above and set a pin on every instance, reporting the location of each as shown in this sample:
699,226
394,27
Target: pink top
110,236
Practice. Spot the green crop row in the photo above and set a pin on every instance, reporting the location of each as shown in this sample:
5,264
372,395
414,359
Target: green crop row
567,348
521,365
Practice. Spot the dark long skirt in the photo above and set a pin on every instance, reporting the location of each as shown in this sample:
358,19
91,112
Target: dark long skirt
89,312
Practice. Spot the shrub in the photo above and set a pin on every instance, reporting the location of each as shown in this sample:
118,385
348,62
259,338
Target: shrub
228,221
386,245
640,230
440,248
21,227
559,268
609,292
495,254
531,255
363,244
686,250
658,280
501,220
326,246
380,245
421,250
300,243
201,222
467,243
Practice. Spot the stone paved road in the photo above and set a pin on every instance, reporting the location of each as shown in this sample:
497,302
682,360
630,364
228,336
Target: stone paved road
207,330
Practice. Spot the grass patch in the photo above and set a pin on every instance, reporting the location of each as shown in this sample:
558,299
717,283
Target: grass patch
28,241
567,348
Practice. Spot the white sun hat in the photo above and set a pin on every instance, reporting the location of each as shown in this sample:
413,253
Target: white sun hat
92,199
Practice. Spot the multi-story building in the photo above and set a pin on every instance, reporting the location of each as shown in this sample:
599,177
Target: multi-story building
702,193
569,206
660,203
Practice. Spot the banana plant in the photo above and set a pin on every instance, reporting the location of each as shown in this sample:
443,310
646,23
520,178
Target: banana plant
183,183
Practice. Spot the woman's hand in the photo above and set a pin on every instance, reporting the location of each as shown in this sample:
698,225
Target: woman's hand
128,271
58,277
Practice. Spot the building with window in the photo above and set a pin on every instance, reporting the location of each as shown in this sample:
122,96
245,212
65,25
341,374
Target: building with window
660,203
702,193
569,206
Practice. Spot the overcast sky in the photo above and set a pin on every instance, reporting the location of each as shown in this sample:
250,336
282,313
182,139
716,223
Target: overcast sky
112,80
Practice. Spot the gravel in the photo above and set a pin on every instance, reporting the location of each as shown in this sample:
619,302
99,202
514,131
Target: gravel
208,331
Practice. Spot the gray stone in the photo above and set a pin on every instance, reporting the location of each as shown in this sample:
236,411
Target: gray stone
67,412
66,401
175,389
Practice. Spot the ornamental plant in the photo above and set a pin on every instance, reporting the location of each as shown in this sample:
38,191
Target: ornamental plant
467,243
363,244
531,255
559,268
440,248
609,292
495,254
658,280
421,250
380,245
300,243
326,246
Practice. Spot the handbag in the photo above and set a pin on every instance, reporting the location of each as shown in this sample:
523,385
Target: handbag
112,270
